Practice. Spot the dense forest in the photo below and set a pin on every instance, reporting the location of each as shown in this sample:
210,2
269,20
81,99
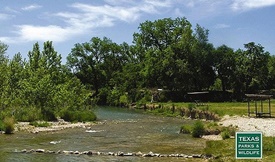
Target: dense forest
167,54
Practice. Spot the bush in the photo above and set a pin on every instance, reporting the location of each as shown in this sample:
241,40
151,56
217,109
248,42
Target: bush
198,129
2,126
186,129
28,114
9,123
225,135
78,116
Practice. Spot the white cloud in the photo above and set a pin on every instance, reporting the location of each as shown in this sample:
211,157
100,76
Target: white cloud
222,26
112,12
31,7
44,33
243,5
11,10
5,16
85,18
157,3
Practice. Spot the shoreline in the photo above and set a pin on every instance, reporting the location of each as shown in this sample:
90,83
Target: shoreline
54,126
243,123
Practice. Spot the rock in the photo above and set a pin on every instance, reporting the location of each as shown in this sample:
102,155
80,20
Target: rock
55,142
89,153
139,153
24,151
76,152
196,156
162,155
181,155
150,154
119,153
111,153
31,150
65,152
40,150
50,152
157,155
99,153
129,154
34,132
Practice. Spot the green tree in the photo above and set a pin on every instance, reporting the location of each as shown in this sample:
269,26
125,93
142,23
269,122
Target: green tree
3,76
271,72
164,45
257,67
201,61
98,64
224,65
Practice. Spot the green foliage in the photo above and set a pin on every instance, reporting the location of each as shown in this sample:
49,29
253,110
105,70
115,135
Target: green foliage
191,106
123,100
9,124
78,116
225,134
198,129
1,126
186,129
39,87
28,114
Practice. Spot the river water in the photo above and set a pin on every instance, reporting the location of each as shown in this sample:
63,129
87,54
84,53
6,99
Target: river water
120,130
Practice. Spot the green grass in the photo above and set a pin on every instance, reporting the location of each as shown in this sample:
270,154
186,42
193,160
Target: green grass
223,108
225,150
40,124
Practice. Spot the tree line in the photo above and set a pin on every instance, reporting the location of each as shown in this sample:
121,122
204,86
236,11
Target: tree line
166,54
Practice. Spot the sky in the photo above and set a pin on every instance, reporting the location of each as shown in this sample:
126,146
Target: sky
67,22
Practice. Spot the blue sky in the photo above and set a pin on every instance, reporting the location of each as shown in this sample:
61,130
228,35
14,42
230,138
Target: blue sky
67,22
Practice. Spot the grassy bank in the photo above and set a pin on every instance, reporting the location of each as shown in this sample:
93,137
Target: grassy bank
220,108
223,150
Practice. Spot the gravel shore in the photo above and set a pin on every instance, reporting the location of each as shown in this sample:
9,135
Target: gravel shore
264,125
54,126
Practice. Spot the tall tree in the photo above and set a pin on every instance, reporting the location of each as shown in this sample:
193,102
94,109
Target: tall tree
97,64
201,60
225,65
165,45
257,62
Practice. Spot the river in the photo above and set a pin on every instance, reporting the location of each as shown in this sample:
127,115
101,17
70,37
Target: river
120,130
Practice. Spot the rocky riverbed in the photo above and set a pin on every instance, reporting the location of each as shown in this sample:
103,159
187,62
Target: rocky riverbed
53,126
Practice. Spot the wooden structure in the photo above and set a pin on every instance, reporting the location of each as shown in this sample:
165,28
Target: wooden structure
198,97
259,109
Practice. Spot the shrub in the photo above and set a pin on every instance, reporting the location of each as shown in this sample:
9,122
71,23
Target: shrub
2,126
186,129
225,134
78,116
191,106
198,129
28,114
9,123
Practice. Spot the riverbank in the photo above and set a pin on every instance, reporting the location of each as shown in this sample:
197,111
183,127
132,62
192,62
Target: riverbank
243,123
